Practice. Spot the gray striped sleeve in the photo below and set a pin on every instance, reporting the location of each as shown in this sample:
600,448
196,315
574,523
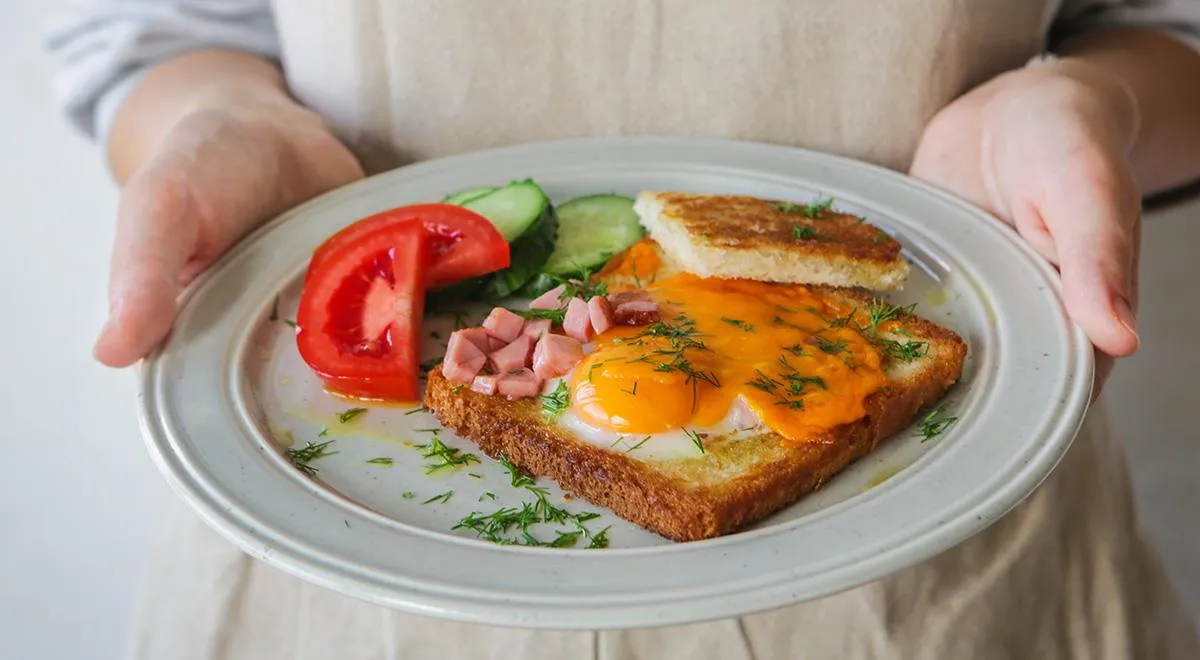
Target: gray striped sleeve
103,47
1181,18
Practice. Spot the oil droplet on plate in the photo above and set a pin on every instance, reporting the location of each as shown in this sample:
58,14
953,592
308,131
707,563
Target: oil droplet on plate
884,475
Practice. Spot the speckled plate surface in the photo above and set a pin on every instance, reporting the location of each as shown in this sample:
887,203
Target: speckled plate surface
225,398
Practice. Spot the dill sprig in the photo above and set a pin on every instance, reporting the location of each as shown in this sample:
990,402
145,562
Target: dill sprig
790,386
816,208
444,456
303,457
680,337
880,312
877,313
581,287
556,402
512,525
696,439
739,324
519,479
442,498
382,460
811,210
828,345
638,445
350,414
935,423
555,315
803,232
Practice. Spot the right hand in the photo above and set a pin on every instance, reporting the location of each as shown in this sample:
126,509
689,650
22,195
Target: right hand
228,165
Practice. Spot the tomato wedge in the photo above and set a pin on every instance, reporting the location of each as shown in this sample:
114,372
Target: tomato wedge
359,322
463,243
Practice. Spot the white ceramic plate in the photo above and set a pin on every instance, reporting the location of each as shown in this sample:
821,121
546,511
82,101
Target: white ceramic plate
228,389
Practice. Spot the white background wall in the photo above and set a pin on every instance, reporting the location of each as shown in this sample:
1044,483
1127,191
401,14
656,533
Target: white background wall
79,497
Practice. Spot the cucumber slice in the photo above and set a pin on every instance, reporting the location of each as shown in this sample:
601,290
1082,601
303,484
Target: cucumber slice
460,198
590,231
524,216
513,209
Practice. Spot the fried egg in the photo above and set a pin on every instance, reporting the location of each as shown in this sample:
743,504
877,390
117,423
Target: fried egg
728,357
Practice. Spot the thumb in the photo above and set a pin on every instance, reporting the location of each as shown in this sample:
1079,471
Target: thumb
157,231
1092,226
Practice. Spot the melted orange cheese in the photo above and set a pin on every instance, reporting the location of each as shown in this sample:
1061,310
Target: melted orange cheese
777,347
639,262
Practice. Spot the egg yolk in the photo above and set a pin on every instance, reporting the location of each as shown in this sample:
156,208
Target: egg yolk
780,348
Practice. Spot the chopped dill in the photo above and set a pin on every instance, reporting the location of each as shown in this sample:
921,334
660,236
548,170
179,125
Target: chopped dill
935,423
555,315
554,403
803,232
638,445
301,458
444,456
442,498
738,323
350,414
382,460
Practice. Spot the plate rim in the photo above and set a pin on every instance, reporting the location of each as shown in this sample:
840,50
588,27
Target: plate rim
252,541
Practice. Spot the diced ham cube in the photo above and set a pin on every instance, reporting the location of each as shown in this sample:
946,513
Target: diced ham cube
578,321
463,359
555,355
503,324
536,328
600,312
637,312
519,385
513,357
477,336
549,300
485,384
620,297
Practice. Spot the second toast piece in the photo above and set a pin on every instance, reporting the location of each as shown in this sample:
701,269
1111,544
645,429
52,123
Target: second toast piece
739,237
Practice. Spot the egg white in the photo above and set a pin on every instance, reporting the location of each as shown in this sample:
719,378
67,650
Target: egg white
667,445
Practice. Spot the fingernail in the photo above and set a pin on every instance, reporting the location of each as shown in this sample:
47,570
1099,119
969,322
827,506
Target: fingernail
1125,316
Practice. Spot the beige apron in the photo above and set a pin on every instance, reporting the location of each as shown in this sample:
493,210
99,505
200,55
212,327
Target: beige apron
1066,575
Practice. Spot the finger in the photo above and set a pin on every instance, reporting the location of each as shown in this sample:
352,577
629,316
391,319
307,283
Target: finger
156,235
1092,224
1032,228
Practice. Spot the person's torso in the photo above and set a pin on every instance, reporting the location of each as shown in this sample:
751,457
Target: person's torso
405,80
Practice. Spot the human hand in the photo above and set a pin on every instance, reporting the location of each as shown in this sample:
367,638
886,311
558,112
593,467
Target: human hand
230,163
1046,149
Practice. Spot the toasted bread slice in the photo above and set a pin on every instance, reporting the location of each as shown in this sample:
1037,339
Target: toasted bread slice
745,237
738,480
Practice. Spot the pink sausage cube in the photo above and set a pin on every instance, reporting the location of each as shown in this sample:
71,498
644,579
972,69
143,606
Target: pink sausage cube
494,344
535,328
514,357
549,300
555,355
463,359
619,297
519,385
503,324
485,384
578,321
477,336
600,312
636,313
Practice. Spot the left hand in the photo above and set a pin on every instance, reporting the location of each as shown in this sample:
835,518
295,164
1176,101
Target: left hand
1045,148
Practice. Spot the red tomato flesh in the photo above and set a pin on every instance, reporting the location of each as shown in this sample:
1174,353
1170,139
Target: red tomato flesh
463,243
359,322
